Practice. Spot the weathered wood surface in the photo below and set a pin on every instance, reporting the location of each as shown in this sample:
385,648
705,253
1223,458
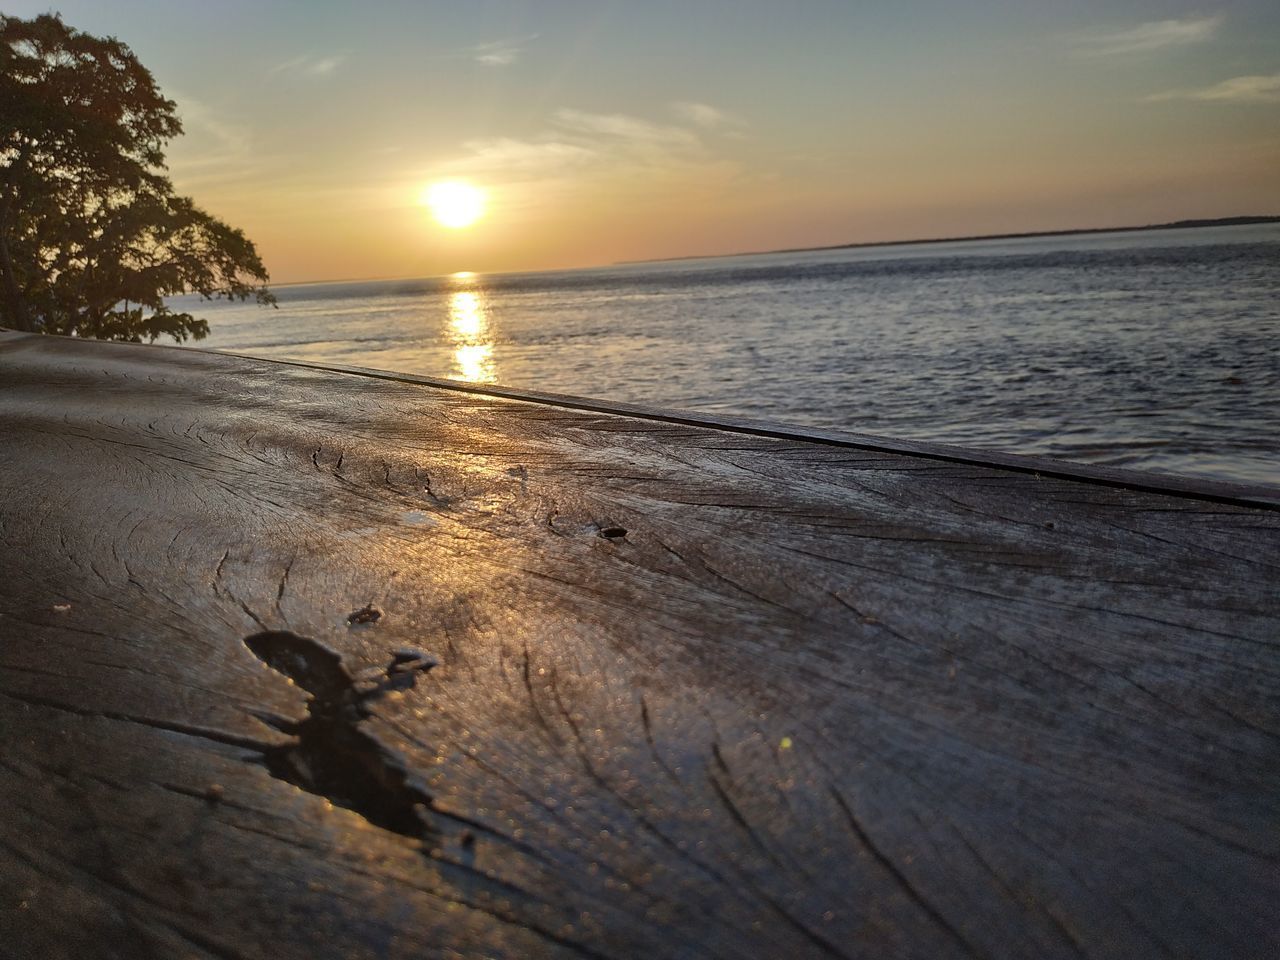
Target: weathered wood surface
820,700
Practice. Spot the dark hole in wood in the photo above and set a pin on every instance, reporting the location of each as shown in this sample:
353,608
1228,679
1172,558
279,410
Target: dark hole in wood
331,756
366,614
613,533
314,668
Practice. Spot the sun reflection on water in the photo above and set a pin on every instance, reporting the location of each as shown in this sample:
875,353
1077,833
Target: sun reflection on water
469,332
475,362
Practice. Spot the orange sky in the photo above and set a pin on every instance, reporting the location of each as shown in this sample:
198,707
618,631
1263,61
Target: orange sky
606,131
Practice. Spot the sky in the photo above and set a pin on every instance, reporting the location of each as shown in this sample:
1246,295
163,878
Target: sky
606,131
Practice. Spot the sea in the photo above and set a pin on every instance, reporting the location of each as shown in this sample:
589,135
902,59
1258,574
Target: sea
1157,350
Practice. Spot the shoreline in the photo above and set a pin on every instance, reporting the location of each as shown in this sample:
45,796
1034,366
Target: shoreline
1080,231
974,238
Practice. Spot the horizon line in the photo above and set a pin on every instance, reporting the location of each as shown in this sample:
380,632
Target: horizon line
1246,220
1237,221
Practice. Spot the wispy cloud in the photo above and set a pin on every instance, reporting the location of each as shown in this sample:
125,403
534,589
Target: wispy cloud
705,116
1252,89
581,142
500,53
620,127
522,159
201,120
214,148
308,65
579,152
1146,37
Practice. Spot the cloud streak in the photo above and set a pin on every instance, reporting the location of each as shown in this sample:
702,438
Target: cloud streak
216,149
1148,37
522,159
705,116
604,154
500,53
200,119
308,65
620,127
583,143
1250,89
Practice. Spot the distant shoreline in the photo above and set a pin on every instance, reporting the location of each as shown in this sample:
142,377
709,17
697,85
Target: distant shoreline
1175,225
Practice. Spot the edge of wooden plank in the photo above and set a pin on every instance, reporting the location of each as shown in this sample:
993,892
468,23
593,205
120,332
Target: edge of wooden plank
1252,495
1217,491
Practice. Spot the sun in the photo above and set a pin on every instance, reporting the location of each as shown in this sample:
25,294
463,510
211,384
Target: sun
454,203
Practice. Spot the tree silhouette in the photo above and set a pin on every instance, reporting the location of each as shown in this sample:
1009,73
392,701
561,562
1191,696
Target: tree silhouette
92,236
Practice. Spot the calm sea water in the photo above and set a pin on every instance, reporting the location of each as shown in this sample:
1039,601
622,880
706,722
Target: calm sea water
1158,350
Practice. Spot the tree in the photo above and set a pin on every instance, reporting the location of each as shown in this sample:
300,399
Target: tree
92,236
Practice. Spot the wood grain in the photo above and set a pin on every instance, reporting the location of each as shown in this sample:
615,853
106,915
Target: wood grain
810,696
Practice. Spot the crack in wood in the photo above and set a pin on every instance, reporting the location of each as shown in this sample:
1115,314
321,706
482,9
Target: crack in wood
330,755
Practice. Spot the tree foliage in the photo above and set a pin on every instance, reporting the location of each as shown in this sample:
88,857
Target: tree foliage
92,237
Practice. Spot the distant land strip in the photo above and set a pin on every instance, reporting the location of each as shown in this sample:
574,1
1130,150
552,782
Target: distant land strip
1175,225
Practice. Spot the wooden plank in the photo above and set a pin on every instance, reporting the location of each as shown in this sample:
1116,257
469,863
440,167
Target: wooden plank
1199,488
819,699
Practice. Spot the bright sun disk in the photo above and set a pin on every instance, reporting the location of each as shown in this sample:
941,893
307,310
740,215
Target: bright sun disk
454,203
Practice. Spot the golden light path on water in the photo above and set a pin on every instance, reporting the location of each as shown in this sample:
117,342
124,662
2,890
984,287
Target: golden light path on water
469,332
